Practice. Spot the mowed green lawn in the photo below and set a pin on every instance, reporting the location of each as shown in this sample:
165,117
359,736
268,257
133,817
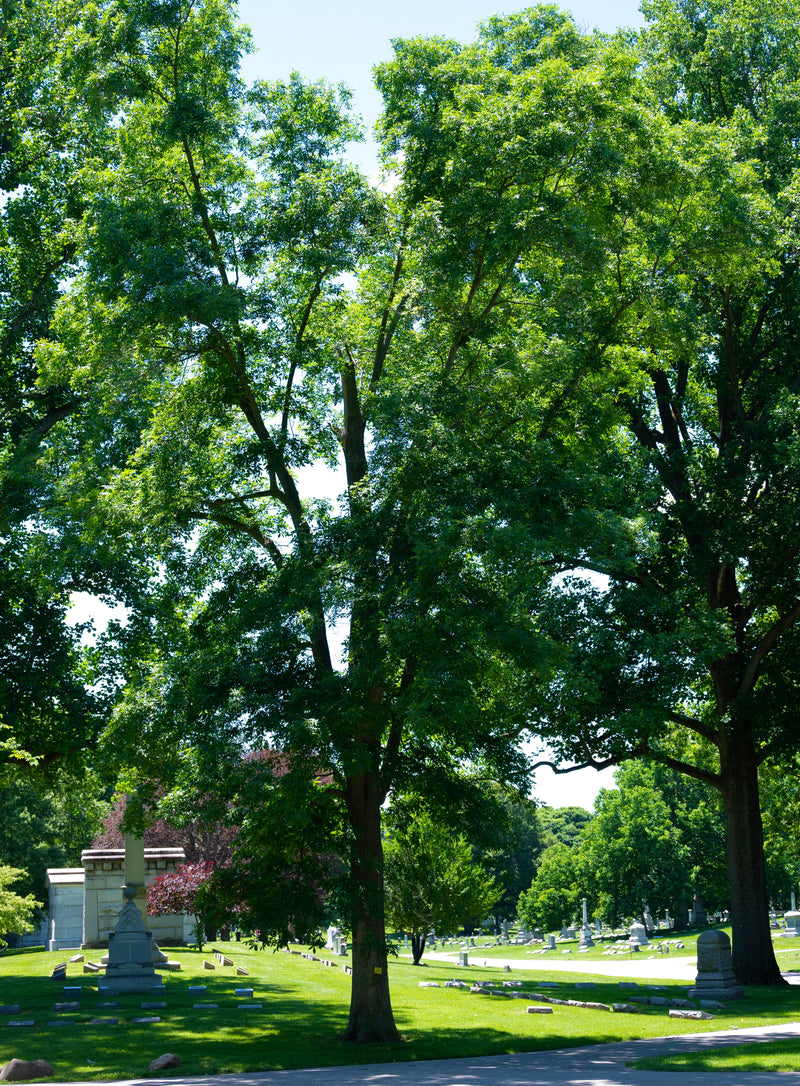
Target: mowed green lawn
304,1009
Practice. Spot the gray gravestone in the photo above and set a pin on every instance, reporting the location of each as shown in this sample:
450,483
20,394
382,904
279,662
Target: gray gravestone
715,976
792,919
638,936
698,917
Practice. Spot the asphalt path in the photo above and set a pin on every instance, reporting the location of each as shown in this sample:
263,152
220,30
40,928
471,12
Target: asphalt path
597,1065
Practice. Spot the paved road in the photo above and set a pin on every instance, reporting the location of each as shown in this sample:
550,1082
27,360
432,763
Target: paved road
598,1065
659,967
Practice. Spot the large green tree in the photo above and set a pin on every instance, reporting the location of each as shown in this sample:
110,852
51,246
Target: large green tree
16,912
692,622
217,314
50,704
554,897
633,854
433,882
563,825
47,822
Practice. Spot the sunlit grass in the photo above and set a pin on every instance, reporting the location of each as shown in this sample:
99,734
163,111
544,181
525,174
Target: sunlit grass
304,1011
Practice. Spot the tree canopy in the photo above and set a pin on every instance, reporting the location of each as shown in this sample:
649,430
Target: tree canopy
692,623
552,363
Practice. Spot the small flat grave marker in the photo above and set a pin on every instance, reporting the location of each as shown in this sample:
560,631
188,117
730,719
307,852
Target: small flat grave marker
205,1006
197,988
76,958
208,965
243,992
10,1008
21,1022
160,1006
73,990
250,1006
241,971
146,1021
108,1005
72,1006
104,1021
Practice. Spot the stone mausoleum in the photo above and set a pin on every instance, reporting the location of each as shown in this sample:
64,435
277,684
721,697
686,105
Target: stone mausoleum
85,902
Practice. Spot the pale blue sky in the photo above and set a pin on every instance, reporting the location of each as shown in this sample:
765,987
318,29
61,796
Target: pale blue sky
341,42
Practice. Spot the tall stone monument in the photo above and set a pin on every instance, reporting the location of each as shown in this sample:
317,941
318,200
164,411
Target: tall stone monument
130,951
134,872
586,942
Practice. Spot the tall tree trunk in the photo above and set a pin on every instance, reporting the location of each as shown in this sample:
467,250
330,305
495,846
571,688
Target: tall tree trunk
753,955
371,1018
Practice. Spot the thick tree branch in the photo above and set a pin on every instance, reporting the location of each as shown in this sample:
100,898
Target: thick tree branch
240,526
642,751
389,319
353,423
767,642
694,725
298,342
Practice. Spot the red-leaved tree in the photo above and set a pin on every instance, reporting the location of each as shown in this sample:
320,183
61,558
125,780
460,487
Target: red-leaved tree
182,891
199,840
